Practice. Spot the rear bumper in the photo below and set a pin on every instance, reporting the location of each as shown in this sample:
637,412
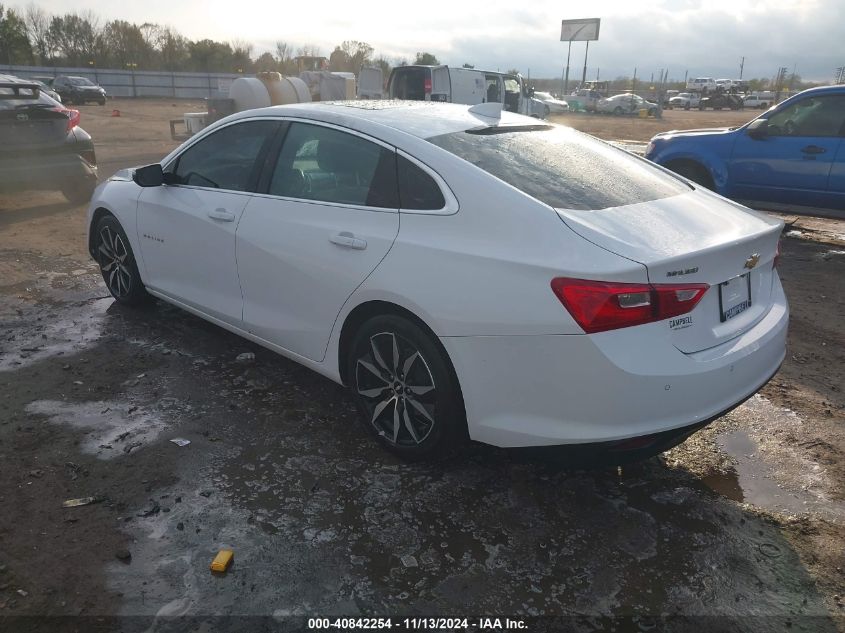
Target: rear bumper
44,171
524,391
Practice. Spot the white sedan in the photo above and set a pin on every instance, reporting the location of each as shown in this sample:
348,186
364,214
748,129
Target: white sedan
552,105
467,272
627,103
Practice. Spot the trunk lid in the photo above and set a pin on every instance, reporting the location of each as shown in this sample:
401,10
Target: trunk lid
27,118
32,126
694,237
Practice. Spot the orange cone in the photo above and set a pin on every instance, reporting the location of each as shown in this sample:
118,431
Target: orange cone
115,112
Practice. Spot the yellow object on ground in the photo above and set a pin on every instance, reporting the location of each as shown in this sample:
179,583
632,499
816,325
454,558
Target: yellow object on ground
222,561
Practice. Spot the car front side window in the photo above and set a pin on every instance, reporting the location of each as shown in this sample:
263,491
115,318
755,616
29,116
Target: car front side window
328,165
815,116
226,158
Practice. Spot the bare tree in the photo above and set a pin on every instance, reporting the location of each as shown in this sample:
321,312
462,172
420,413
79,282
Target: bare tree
38,28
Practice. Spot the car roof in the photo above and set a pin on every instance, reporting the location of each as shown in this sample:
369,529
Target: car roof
385,118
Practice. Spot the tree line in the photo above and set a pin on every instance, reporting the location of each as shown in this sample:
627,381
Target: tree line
82,39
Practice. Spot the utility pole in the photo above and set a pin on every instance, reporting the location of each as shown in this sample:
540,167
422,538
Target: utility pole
566,81
741,66
584,75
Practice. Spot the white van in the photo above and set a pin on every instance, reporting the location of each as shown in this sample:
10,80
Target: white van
437,83
463,85
760,100
370,83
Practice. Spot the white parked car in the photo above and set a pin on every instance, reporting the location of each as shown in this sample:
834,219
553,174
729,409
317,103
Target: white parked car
627,103
701,84
552,105
760,100
464,271
685,100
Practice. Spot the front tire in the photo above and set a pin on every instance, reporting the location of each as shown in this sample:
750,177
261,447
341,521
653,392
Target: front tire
406,390
117,263
693,171
617,111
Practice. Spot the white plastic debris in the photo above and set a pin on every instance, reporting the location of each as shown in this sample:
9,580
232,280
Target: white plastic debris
246,357
409,561
180,441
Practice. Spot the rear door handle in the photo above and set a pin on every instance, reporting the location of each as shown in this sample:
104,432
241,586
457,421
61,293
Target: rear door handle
222,215
348,240
814,149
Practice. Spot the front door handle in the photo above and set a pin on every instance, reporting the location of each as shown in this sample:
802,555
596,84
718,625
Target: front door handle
348,240
813,149
222,215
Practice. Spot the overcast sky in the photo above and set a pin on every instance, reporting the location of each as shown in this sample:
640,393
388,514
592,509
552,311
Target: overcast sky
703,37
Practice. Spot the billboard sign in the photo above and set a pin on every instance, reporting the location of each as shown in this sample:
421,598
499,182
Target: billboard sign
583,30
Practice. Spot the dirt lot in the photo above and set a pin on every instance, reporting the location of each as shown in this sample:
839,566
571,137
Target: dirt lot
741,528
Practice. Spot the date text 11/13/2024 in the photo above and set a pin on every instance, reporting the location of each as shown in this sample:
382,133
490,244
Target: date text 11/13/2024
417,624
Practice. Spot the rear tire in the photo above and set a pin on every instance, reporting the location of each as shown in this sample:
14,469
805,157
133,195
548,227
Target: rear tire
117,263
79,192
405,388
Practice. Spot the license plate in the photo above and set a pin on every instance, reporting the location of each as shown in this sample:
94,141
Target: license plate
734,297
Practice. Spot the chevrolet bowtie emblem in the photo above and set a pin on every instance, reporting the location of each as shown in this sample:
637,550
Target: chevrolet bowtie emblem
751,262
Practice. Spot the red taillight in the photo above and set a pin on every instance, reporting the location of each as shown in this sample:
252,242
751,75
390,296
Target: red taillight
73,117
777,257
598,306
427,86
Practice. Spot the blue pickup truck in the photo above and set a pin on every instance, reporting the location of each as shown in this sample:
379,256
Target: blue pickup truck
790,158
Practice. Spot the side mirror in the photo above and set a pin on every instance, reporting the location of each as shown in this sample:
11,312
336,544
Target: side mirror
758,129
149,176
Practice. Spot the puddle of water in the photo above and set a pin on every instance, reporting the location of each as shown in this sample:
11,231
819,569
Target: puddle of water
752,478
75,329
112,429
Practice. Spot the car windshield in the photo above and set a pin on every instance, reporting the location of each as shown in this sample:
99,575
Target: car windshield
561,167
80,81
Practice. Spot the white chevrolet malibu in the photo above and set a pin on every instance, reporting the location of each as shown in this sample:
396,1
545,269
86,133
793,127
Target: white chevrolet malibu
467,272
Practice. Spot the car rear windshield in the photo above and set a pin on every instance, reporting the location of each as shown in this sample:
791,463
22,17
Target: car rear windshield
561,167
26,100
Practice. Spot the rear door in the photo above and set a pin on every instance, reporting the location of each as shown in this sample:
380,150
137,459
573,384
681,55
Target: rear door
441,87
792,163
186,231
326,217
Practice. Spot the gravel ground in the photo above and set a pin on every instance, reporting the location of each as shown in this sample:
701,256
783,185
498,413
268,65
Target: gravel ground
741,528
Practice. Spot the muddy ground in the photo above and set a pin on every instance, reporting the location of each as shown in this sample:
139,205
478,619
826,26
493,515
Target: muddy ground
741,528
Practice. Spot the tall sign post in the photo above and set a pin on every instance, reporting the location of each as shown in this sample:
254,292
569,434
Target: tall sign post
583,30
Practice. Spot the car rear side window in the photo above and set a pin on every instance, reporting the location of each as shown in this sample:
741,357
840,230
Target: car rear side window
226,158
417,190
325,164
561,167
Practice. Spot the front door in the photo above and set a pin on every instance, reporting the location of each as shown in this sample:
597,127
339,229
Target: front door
792,163
187,229
328,216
